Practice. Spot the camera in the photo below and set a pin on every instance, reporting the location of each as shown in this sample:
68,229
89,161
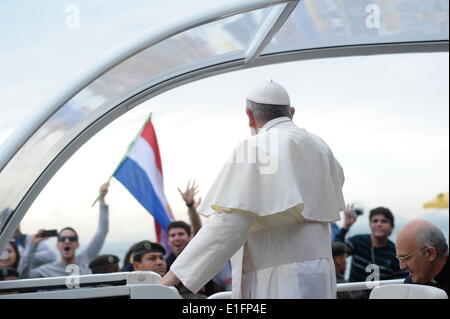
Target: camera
357,211
49,233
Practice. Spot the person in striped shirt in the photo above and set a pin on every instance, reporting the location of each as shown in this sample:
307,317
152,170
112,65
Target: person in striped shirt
373,255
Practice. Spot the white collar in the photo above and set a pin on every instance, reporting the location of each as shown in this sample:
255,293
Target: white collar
274,122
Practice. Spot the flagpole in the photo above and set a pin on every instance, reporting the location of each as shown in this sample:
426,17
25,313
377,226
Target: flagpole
101,193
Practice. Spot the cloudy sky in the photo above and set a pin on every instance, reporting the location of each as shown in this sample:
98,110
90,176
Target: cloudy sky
385,118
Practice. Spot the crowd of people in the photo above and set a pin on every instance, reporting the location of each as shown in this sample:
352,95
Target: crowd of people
271,224
420,255
28,256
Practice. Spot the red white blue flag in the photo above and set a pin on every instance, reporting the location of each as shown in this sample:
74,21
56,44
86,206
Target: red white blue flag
140,172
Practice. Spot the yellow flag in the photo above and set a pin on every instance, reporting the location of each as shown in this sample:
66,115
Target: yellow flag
441,201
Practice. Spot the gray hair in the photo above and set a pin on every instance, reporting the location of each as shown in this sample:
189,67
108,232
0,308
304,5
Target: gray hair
432,236
267,112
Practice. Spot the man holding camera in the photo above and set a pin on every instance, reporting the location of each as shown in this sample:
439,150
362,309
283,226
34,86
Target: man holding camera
371,249
43,255
67,246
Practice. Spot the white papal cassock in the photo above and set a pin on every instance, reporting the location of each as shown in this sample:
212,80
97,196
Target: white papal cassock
269,211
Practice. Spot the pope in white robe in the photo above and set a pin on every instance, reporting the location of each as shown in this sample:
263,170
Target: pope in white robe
269,210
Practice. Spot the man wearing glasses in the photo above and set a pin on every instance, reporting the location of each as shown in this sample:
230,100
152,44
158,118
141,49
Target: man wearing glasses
67,246
423,251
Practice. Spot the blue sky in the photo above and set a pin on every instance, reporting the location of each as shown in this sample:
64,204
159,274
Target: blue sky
385,117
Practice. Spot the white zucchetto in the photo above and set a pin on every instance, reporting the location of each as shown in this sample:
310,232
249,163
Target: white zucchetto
269,92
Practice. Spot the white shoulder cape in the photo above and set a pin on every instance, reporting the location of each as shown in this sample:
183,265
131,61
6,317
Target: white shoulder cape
281,175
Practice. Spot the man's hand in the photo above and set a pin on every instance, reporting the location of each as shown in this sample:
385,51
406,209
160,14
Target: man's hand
188,197
189,194
36,238
169,279
103,191
349,217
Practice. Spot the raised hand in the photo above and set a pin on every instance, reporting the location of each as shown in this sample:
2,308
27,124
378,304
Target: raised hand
37,238
189,194
349,217
103,191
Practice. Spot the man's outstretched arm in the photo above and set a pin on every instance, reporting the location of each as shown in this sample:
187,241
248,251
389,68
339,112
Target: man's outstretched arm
216,242
96,243
349,219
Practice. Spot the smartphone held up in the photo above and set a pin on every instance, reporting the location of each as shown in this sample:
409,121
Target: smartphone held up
49,233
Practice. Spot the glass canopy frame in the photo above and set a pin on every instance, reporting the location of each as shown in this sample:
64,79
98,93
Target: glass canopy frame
257,32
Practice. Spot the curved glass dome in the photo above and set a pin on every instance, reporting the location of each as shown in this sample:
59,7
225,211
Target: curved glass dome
219,38
315,24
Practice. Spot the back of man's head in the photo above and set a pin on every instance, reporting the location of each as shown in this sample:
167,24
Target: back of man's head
269,100
382,211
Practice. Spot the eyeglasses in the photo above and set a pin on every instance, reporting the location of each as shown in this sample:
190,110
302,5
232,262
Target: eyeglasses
70,238
405,258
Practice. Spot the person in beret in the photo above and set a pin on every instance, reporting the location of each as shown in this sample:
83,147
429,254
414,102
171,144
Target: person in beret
148,255
104,264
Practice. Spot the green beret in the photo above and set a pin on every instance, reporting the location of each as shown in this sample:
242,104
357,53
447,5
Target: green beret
338,249
146,246
7,271
103,260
